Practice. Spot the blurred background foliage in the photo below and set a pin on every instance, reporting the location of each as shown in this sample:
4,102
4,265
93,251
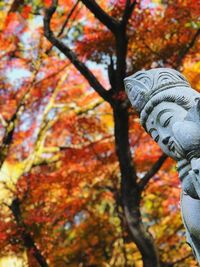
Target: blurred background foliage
61,201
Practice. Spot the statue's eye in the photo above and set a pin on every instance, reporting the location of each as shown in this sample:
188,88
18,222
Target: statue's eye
166,123
156,138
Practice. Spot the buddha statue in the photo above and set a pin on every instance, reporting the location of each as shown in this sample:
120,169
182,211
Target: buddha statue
169,110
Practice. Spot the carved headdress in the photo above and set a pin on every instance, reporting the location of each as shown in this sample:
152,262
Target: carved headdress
145,89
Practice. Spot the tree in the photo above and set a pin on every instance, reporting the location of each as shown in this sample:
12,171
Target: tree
72,190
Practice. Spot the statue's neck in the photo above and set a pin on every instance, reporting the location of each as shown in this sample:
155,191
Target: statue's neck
183,167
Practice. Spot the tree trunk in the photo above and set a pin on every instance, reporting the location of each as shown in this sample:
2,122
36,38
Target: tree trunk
130,191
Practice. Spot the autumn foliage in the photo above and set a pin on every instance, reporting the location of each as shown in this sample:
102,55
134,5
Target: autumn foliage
64,182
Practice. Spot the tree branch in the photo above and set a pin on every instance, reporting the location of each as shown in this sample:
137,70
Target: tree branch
119,30
144,181
68,18
128,11
122,46
111,23
171,264
184,51
64,25
27,238
81,67
10,128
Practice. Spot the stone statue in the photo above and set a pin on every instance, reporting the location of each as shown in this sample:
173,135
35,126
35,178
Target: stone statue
169,110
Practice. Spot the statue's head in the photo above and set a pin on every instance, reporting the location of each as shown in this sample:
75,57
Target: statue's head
162,97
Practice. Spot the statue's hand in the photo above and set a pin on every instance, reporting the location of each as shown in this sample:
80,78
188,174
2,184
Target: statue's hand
189,185
195,174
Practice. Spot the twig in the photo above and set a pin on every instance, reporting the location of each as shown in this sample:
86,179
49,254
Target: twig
68,18
185,51
144,181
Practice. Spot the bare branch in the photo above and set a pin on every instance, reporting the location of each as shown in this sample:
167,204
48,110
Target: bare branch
111,23
26,236
144,181
68,18
128,11
65,24
185,51
122,45
81,67
174,263
16,4
182,259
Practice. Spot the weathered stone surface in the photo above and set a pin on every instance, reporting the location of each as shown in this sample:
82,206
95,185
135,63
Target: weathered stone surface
169,110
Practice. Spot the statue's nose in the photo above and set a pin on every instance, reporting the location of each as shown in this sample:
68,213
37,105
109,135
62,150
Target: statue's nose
166,140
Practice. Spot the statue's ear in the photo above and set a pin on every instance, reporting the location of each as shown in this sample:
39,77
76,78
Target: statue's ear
194,113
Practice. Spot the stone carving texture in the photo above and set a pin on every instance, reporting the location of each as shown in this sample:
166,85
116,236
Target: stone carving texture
169,110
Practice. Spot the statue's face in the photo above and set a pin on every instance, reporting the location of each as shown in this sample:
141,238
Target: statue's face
159,126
